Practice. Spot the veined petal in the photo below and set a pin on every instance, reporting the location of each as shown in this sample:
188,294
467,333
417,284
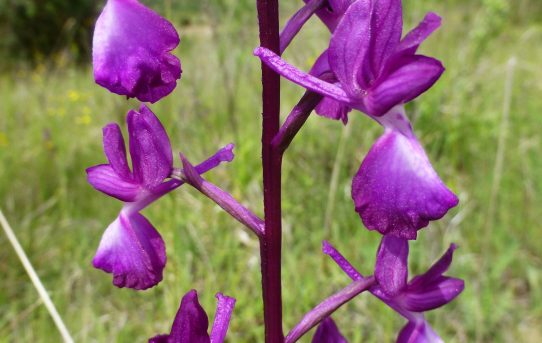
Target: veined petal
418,332
349,47
396,190
413,75
432,296
133,251
413,39
106,180
131,51
303,79
391,271
115,150
386,28
224,310
328,332
152,158
435,272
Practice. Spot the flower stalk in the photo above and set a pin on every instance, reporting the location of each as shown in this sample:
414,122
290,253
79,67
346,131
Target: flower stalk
270,242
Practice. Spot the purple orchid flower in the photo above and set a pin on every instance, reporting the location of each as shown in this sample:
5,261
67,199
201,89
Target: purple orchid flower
375,69
328,332
424,292
131,248
396,190
131,51
191,322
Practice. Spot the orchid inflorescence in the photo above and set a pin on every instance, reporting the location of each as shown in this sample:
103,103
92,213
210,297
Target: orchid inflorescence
367,67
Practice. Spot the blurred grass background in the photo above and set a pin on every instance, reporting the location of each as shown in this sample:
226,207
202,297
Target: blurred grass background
481,126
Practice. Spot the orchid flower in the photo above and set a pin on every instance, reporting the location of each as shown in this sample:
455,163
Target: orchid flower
131,248
131,51
375,69
328,332
424,292
191,322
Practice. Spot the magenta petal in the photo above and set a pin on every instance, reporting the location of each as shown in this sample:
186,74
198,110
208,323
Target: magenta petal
418,332
435,272
386,29
413,75
391,271
191,322
224,310
396,190
437,294
106,180
115,150
150,149
333,109
133,251
332,14
413,39
303,79
328,332
349,47
131,51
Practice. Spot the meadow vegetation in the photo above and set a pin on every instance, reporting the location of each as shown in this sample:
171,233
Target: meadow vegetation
481,126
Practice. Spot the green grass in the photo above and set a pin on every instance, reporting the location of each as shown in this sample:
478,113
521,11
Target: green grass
50,131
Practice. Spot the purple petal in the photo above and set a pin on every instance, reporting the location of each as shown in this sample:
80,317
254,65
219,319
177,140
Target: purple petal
131,51
332,14
150,149
295,75
133,251
333,109
435,272
386,29
391,269
328,332
396,190
191,322
418,332
106,180
296,22
224,309
409,77
413,39
349,47
433,296
321,66
328,107
115,150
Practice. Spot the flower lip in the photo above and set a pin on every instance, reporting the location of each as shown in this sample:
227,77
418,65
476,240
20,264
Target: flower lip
131,51
133,251
396,191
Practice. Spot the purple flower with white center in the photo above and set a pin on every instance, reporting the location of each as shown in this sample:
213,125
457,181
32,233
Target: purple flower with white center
191,322
131,51
375,69
396,191
328,332
131,248
424,292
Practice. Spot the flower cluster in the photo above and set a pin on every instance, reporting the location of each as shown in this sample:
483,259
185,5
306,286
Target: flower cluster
132,57
370,67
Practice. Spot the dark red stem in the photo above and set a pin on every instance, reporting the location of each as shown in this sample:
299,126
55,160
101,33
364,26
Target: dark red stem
270,242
